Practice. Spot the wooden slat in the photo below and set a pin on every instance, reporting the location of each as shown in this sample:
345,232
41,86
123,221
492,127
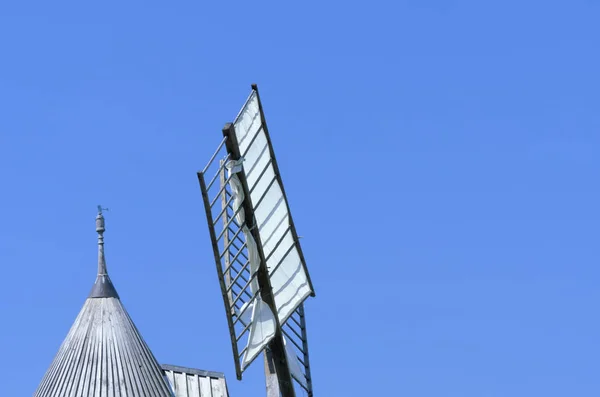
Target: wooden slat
193,386
205,388
189,382
217,387
171,378
181,385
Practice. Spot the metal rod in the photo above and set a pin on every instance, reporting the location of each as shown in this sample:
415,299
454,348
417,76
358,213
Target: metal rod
235,258
238,276
243,107
285,217
305,388
281,260
215,249
229,222
238,293
241,264
261,175
239,318
236,270
251,170
242,291
295,333
241,252
239,308
278,243
252,277
230,242
234,232
241,241
292,340
243,351
215,154
222,188
290,325
265,192
221,213
237,248
214,178
237,339
296,321
252,141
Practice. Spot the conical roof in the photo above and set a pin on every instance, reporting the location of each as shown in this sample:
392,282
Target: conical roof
104,354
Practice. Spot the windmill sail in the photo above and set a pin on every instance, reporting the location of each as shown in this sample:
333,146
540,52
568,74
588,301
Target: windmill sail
252,229
287,269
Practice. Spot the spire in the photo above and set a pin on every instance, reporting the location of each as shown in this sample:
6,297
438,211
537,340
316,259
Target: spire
104,354
103,287
100,229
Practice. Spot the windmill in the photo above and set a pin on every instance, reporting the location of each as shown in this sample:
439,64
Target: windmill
260,265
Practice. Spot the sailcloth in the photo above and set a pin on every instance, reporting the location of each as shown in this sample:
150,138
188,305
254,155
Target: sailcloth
262,320
245,314
289,278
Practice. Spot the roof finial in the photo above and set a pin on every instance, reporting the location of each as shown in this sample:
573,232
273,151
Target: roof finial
103,287
100,229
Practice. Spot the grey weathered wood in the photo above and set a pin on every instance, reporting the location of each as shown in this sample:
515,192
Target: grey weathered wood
271,376
193,386
217,388
225,217
180,387
189,382
205,388
170,377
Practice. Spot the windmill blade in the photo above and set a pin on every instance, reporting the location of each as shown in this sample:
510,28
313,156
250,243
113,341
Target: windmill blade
256,249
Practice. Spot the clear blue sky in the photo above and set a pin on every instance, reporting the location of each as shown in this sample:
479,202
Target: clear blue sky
441,159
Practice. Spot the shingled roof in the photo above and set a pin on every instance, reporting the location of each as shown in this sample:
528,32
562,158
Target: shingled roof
104,354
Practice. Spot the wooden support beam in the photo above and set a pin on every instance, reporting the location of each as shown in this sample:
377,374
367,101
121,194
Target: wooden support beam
271,375
225,217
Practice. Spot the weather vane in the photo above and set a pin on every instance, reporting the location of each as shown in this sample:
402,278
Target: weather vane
100,209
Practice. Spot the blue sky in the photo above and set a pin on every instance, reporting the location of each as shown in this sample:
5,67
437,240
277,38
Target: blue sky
440,158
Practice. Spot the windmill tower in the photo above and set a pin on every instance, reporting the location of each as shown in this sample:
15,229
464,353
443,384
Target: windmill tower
260,265
104,354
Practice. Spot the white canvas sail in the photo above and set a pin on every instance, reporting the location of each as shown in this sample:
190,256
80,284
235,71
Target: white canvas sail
246,315
288,275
